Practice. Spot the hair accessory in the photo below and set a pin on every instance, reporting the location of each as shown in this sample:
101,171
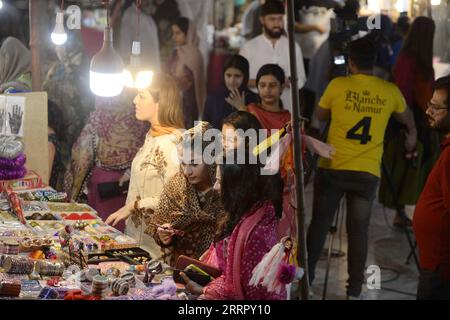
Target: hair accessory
274,270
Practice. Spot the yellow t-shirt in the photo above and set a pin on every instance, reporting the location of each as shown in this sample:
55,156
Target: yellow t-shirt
360,106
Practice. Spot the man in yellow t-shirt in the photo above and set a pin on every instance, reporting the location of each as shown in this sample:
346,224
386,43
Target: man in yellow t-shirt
359,107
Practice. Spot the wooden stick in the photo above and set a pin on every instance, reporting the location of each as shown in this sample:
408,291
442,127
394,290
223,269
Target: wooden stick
35,45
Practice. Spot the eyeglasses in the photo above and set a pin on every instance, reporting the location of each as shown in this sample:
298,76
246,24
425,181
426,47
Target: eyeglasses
435,107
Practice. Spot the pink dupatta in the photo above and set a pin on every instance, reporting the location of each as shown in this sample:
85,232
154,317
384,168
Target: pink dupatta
230,286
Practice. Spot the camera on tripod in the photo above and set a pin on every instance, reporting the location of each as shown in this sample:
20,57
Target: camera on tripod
345,27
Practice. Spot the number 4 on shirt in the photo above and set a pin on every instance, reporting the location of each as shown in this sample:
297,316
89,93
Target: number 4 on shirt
363,137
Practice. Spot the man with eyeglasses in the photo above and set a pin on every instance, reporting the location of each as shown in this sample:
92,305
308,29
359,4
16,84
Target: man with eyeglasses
431,220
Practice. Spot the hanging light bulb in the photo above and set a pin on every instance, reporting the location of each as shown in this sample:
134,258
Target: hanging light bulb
106,72
133,76
59,35
1,4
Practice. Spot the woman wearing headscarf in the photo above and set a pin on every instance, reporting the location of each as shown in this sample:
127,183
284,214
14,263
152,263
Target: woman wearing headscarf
234,95
103,152
156,162
67,86
187,67
165,12
15,67
188,201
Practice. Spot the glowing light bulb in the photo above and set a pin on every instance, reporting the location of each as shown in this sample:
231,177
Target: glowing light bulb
435,2
133,76
59,35
1,4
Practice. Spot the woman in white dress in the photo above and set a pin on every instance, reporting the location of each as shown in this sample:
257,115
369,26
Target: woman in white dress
156,162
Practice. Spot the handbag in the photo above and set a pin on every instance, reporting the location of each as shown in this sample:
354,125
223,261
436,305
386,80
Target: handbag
184,262
108,190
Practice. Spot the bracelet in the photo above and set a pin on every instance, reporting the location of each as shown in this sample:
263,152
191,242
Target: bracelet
15,163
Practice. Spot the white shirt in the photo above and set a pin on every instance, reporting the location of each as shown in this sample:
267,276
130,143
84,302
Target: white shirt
260,51
153,166
311,41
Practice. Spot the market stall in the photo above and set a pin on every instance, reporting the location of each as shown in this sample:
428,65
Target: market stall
52,249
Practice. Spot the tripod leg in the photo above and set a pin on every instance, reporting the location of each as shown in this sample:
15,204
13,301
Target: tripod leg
402,214
409,239
411,253
333,230
327,272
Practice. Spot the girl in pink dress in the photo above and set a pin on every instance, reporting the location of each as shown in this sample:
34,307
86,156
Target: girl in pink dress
244,236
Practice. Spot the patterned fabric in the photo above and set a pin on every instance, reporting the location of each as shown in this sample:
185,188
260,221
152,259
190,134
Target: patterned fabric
109,140
153,166
67,85
180,206
251,239
186,209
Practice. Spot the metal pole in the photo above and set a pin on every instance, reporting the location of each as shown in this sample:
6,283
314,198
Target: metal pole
429,10
34,45
298,163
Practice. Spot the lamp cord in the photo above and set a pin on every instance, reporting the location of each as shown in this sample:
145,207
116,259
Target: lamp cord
62,5
107,13
138,13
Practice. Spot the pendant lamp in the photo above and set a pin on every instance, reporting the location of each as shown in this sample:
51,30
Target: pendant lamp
135,76
59,35
106,72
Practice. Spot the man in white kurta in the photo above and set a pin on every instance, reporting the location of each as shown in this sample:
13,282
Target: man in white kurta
272,46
